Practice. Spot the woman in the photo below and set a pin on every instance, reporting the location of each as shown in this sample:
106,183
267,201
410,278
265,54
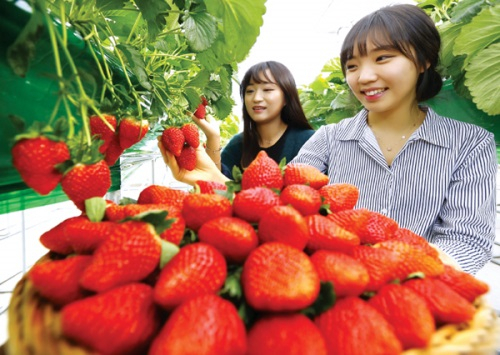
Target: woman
273,120
433,175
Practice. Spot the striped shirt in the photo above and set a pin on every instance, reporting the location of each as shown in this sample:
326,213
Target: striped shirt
441,185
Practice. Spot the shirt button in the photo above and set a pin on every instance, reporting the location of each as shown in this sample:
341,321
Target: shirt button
384,211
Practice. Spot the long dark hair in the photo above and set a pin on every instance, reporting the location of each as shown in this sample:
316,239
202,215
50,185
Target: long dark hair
292,113
403,27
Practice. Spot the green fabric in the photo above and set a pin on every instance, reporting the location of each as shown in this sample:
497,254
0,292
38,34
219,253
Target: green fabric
232,152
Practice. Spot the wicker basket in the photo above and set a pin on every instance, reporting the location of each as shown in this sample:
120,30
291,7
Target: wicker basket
33,327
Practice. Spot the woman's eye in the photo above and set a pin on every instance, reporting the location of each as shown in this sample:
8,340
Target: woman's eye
383,57
350,67
248,91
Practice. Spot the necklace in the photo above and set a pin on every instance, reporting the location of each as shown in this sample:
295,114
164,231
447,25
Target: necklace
402,139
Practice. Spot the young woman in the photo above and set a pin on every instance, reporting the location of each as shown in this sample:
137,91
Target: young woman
434,175
273,120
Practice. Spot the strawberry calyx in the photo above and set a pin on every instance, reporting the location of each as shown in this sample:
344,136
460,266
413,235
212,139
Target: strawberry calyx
325,300
56,132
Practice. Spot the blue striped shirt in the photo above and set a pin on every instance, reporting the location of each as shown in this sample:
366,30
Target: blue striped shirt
441,185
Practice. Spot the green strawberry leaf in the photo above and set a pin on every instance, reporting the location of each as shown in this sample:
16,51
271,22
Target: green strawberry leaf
168,251
232,287
200,30
136,63
157,218
154,12
95,209
325,301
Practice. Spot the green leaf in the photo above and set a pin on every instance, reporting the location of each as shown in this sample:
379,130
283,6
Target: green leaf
105,5
483,30
136,63
241,24
449,32
465,10
192,96
200,30
223,107
154,12
95,208
482,78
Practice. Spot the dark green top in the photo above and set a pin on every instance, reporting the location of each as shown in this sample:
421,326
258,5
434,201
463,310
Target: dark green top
287,147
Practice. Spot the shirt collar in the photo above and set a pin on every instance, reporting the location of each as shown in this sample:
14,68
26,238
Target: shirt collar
428,131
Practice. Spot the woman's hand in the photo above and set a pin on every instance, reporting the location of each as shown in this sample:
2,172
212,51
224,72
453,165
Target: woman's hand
212,131
205,168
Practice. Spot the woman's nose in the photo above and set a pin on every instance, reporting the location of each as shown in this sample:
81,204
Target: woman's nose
257,95
367,74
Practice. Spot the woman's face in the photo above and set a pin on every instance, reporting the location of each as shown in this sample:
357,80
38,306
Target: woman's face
383,80
264,101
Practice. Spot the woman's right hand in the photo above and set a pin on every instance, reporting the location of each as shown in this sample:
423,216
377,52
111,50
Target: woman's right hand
205,168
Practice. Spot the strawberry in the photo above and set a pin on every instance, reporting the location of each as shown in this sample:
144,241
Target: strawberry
55,239
354,327
298,173
210,187
415,259
113,151
206,324
446,305
57,280
204,101
173,140
162,194
131,131
339,197
251,204
201,111
382,264
466,285
262,171
279,277
285,334
348,275
406,235
303,198
407,312
187,158
351,220
284,224
103,131
191,134
120,321
377,228
201,208
197,269
129,254
85,236
36,158
326,234
85,181
232,236
175,232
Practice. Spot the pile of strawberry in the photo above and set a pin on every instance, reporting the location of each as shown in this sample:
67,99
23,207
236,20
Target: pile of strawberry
182,143
45,159
277,263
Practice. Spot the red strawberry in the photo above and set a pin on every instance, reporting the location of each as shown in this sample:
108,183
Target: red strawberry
57,280
129,254
303,198
446,305
173,140
103,131
85,236
377,228
285,334
191,134
415,259
326,234
351,220
466,285
210,187
407,236
407,312
339,197
206,324
56,240
162,194
114,151
279,277
120,321
85,181
201,208
197,269
131,131
284,224
36,158
354,327
251,204
297,173
201,111
204,101
187,158
175,232
348,275
232,236
383,265
262,171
